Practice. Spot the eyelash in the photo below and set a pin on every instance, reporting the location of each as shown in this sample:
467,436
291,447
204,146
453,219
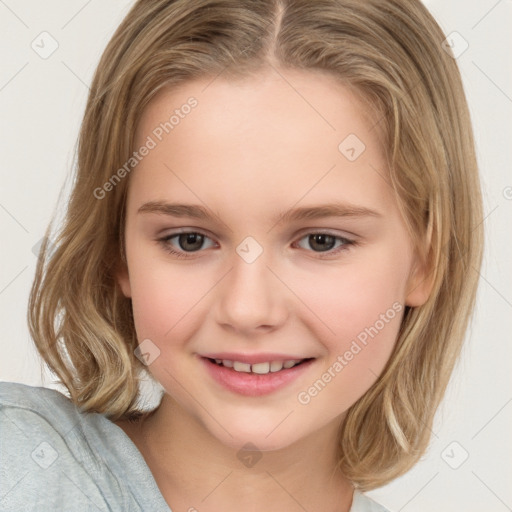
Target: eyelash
346,243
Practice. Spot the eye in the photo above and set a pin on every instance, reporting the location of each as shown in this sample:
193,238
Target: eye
325,243
188,242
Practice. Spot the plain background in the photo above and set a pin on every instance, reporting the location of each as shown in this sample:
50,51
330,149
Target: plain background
467,466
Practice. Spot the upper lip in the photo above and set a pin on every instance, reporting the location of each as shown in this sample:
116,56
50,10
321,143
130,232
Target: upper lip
253,358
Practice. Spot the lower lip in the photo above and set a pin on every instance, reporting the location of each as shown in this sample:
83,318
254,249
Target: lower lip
253,384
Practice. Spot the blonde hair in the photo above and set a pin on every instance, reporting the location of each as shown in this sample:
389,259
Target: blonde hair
390,52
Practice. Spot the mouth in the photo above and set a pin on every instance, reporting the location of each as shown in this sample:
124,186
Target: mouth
255,376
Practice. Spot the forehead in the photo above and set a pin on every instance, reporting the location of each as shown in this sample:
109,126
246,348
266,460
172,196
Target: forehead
282,133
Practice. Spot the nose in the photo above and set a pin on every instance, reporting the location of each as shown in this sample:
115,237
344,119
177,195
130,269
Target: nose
251,298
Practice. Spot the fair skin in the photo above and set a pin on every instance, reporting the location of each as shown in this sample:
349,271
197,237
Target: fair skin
249,151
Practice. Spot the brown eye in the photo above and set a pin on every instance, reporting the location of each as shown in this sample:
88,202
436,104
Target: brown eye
322,242
190,241
184,244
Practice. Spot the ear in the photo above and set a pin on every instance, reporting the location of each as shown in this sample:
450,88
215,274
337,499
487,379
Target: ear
123,279
421,280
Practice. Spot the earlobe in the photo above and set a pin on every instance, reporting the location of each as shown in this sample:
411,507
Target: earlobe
420,284
123,279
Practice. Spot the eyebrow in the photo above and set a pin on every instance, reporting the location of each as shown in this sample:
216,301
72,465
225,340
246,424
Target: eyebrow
294,214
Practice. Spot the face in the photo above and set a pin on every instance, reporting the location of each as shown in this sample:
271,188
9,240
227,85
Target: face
291,249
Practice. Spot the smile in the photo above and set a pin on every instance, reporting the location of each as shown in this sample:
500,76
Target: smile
255,378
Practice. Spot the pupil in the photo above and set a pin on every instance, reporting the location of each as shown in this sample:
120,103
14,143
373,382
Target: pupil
320,241
195,239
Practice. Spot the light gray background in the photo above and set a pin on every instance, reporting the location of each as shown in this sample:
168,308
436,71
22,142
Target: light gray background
41,106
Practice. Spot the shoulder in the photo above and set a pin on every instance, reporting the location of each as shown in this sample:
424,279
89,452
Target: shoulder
33,411
45,456
23,396
55,456
28,410
363,503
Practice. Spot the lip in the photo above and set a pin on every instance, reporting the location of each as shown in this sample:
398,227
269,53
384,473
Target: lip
252,384
252,358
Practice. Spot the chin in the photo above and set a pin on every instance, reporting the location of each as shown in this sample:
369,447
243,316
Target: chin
264,437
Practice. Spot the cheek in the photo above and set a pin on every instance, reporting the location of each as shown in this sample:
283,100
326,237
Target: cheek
363,308
162,296
351,297
359,310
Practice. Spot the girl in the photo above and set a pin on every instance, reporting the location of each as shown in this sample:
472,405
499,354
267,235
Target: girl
273,215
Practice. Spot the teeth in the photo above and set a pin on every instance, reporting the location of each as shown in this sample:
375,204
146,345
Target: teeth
275,366
259,368
241,367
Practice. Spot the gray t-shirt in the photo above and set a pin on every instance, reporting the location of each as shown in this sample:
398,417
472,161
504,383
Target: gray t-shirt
54,457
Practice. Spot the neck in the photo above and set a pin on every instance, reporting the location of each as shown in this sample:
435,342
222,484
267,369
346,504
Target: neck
195,472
